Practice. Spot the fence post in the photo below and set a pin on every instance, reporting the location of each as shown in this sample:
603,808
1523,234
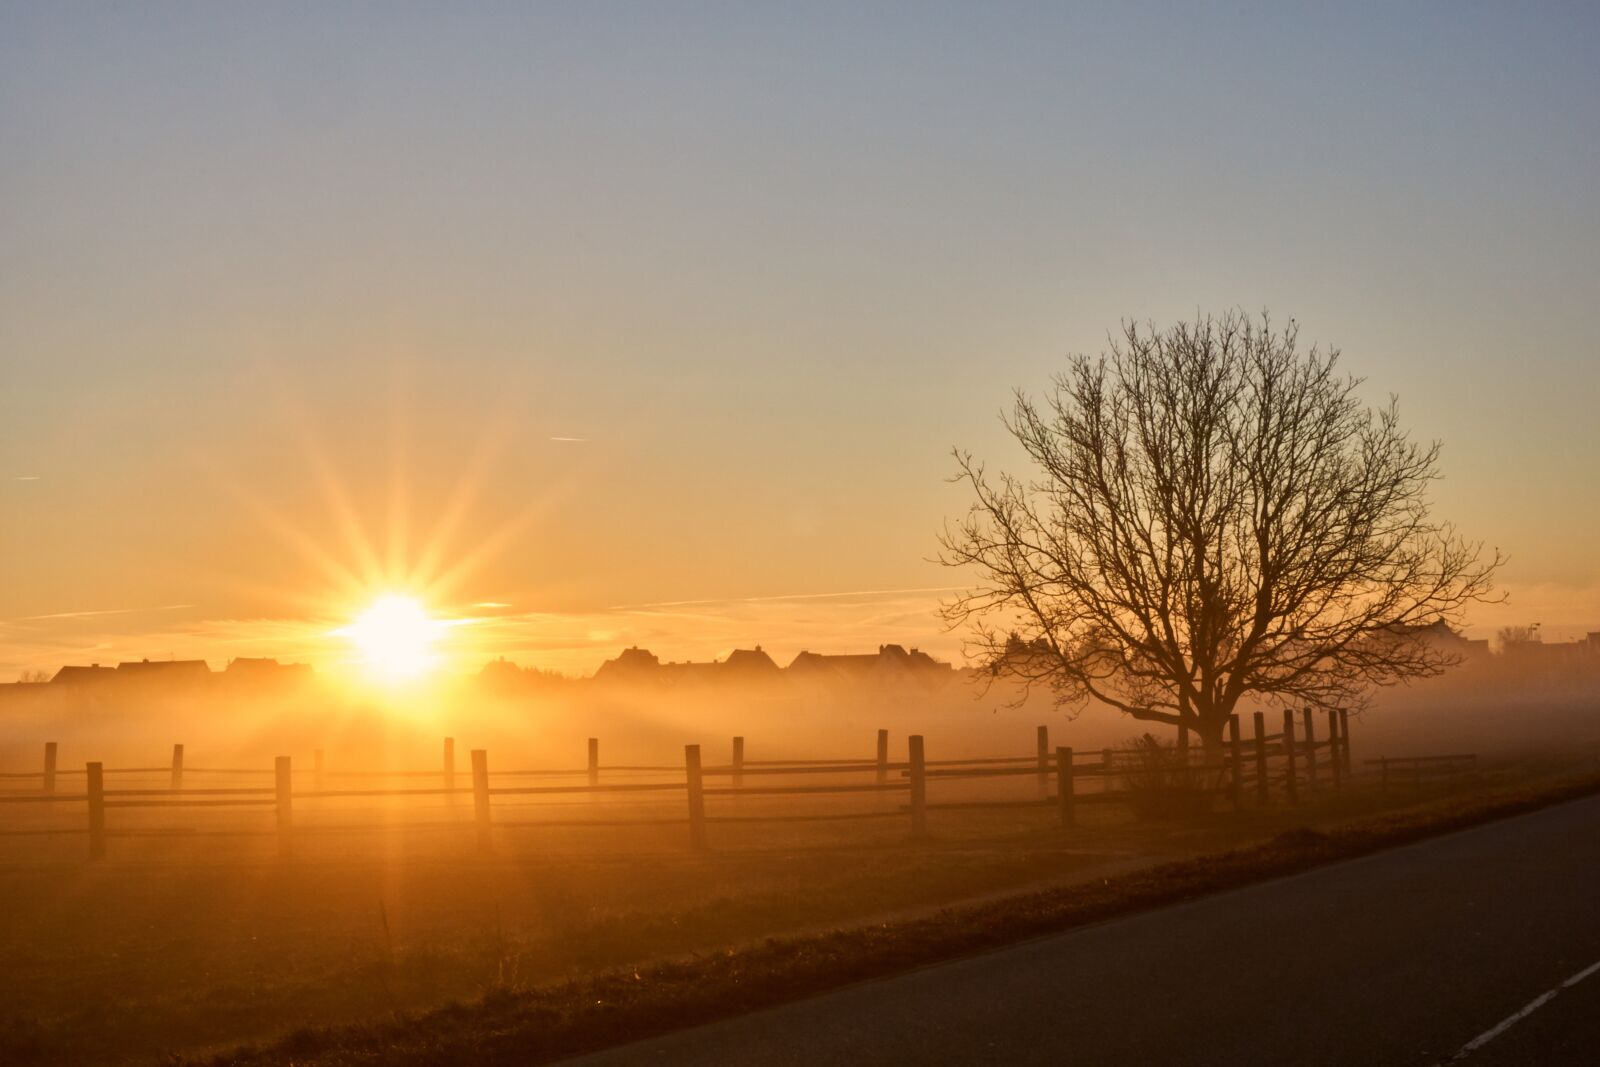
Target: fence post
697,797
1311,749
1065,786
1043,756
1335,743
919,787
177,766
316,770
97,811
1291,784
883,756
1107,761
1263,786
594,761
480,798
449,763
1236,750
283,779
738,761
49,766
1344,738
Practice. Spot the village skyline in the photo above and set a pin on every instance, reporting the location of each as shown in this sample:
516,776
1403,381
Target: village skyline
635,663
630,664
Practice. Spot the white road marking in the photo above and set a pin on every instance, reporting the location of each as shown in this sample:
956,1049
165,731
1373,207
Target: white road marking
1511,1020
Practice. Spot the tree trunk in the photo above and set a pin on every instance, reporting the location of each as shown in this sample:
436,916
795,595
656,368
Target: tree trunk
1213,731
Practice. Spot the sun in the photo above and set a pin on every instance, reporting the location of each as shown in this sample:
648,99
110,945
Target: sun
396,638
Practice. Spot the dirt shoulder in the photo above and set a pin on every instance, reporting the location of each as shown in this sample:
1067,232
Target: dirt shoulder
509,1026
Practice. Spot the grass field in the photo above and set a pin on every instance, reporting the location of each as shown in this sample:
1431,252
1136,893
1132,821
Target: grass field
193,943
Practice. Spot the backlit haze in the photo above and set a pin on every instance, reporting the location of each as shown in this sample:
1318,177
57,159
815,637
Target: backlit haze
584,328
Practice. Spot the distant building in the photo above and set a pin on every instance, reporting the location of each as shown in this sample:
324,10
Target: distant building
500,674
891,663
755,665
690,673
1553,653
90,675
750,663
504,677
631,665
1444,639
266,673
816,664
166,671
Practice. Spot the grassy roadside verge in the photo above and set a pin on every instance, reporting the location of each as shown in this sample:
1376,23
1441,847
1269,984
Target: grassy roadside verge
515,1027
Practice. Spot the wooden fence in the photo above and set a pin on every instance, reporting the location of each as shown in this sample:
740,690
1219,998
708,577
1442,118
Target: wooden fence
1268,769
1417,770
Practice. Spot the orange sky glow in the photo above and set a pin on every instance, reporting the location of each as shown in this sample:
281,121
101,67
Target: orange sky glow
671,349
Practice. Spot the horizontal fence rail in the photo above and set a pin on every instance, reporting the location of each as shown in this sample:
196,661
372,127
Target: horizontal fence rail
1266,768
1415,770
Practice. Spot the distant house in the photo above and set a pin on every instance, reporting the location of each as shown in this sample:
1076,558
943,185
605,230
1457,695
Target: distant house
1580,653
817,665
91,675
1448,639
636,665
165,671
631,665
690,673
920,661
1028,659
265,673
500,674
754,665
890,663
1442,638
750,663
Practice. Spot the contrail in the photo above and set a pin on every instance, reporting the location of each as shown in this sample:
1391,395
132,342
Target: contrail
104,611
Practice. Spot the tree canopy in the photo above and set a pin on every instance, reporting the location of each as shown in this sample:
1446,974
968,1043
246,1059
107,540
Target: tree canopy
1211,513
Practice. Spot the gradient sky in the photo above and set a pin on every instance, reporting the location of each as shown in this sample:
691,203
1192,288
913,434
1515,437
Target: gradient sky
621,306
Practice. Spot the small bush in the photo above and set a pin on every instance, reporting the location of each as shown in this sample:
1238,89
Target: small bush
1161,782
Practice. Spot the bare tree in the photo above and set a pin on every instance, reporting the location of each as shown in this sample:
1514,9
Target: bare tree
1213,515
1513,638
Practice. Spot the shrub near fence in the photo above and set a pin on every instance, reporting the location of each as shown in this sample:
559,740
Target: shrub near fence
1274,768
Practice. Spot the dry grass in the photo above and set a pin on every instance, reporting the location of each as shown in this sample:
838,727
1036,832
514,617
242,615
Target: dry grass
510,1026
178,947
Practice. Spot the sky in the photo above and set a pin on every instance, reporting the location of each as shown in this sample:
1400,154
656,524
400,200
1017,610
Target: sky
615,323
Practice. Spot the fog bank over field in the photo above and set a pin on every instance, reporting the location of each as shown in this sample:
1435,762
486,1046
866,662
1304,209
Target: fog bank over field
643,711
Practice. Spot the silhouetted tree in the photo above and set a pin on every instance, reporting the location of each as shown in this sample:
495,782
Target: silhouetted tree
1212,515
1514,637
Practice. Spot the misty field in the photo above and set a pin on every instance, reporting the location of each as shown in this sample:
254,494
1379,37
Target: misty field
181,944
196,940
193,935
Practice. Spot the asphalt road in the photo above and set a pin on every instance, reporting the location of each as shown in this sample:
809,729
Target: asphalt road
1402,957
